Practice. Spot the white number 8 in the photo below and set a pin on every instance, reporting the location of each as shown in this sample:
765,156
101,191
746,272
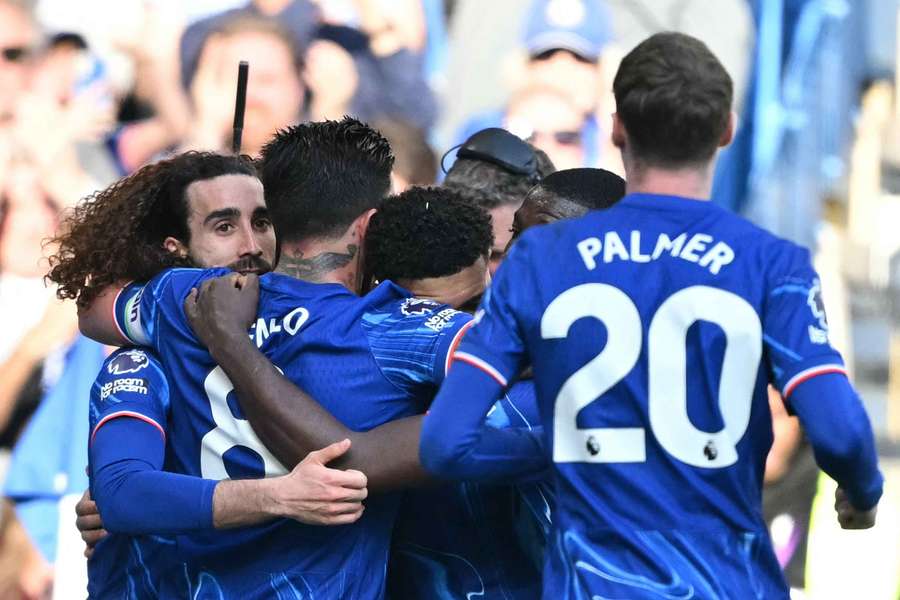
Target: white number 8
667,373
229,432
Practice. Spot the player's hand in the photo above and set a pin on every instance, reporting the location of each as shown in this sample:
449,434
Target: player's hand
223,307
89,523
850,517
317,495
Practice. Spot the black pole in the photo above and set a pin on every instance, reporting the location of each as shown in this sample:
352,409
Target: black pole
240,103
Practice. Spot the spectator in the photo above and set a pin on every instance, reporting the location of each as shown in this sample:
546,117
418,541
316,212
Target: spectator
18,40
551,121
299,17
275,90
564,40
414,161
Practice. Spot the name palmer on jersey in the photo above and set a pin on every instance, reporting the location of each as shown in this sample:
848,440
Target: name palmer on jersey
699,248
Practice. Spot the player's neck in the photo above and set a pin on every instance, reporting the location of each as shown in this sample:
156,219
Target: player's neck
323,261
690,182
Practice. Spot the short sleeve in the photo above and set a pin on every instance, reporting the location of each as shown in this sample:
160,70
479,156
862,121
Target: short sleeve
131,384
140,307
495,343
412,342
795,328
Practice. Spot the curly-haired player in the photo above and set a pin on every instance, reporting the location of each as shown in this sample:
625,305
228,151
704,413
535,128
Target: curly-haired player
196,209
433,242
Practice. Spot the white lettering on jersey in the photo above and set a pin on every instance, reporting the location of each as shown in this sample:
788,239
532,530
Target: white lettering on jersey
290,324
127,384
693,249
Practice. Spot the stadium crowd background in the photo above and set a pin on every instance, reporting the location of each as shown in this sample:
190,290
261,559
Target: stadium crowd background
92,90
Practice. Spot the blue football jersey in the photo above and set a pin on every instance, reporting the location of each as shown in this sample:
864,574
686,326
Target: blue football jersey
131,384
348,353
470,539
654,328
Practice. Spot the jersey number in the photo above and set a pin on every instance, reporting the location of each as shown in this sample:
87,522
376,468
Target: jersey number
229,432
667,374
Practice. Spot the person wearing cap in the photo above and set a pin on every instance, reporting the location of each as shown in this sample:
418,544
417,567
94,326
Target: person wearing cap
564,40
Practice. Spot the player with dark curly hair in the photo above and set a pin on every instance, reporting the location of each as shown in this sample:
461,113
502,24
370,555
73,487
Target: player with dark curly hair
433,242
196,209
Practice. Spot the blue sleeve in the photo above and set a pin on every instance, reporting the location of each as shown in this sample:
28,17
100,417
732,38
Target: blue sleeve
455,442
795,330
413,341
131,383
134,496
811,377
495,343
839,431
140,307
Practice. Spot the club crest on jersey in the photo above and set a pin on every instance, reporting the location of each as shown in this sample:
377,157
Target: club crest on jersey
130,361
418,306
817,335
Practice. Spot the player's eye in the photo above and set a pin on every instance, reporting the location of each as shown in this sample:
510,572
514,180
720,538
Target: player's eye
262,224
224,227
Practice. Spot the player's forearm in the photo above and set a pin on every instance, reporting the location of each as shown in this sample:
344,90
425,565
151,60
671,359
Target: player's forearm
133,494
244,502
287,420
841,436
97,320
457,445
292,424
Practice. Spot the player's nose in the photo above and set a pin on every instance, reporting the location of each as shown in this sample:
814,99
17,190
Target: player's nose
250,243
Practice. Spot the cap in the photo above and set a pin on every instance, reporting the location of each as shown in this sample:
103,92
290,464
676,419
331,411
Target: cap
579,26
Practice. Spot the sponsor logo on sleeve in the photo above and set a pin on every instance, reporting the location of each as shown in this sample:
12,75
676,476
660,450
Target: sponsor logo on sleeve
130,361
418,306
135,385
441,320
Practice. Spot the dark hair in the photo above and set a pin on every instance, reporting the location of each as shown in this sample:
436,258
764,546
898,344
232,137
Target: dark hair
674,98
490,185
414,159
591,188
118,233
319,177
426,232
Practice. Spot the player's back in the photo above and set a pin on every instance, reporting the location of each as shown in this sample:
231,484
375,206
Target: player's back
313,333
646,332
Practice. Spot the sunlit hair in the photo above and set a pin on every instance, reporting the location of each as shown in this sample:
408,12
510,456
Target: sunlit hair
117,233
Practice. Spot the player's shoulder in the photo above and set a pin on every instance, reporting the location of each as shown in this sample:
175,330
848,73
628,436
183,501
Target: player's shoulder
413,315
175,282
130,362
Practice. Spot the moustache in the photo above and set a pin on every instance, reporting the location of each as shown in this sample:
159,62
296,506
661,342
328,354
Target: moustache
251,264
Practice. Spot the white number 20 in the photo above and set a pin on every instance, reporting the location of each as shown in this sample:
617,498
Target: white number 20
229,432
667,373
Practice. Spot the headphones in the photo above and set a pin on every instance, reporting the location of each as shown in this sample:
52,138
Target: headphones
499,147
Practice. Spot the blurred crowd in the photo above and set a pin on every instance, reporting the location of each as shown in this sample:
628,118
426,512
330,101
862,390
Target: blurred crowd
92,90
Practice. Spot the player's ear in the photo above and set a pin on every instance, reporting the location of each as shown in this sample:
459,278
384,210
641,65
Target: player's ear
618,132
728,134
175,246
362,222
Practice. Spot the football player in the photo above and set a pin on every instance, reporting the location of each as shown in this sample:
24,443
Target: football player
653,329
